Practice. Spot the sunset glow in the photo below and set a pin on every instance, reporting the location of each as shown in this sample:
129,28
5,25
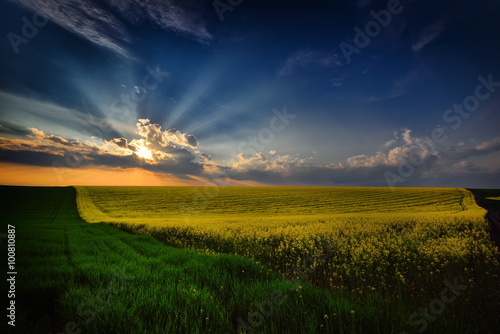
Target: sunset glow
23,175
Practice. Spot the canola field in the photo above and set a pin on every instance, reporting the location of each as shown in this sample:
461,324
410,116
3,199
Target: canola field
337,267
354,240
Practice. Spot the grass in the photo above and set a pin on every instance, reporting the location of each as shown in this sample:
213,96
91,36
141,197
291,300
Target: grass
94,278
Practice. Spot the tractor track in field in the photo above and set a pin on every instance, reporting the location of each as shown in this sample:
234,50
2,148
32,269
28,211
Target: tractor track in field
493,217
67,250
56,208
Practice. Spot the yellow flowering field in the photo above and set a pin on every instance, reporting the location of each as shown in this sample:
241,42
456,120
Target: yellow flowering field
360,240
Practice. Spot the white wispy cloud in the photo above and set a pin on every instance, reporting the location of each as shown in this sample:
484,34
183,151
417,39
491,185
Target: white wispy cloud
399,87
181,16
403,84
337,81
105,28
306,58
85,19
430,33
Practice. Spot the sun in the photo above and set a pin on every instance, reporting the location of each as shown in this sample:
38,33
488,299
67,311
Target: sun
144,152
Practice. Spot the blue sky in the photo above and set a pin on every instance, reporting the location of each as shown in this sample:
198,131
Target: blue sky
323,93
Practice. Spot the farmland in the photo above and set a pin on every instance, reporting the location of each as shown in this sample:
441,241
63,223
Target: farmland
75,277
339,238
305,260
360,242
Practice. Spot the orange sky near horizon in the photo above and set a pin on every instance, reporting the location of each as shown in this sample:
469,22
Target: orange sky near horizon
27,175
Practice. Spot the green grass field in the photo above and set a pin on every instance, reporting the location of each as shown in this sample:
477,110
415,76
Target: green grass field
75,277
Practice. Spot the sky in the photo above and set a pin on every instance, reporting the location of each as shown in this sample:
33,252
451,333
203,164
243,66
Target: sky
239,92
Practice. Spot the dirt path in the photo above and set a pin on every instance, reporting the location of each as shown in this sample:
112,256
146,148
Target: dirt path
494,219
493,207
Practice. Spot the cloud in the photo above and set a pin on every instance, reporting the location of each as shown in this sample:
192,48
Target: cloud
154,150
38,141
154,135
432,163
430,33
173,152
393,141
103,25
399,87
38,134
306,58
272,162
402,85
12,129
465,165
120,142
488,146
337,82
23,109
303,173
205,157
460,152
85,19
447,166
181,16
409,148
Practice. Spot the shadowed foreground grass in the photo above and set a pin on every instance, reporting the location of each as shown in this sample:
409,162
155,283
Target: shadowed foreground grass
75,277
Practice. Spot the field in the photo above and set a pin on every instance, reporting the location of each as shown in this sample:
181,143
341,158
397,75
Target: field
75,277
299,260
338,238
